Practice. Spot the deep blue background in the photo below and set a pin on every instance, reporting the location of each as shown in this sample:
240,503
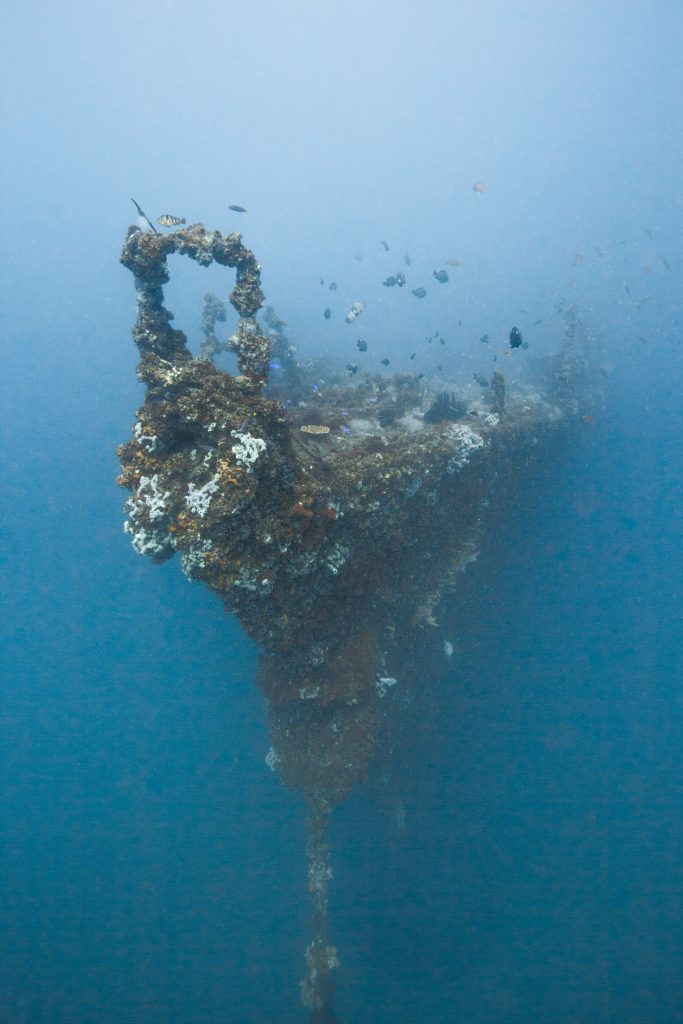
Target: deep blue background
151,867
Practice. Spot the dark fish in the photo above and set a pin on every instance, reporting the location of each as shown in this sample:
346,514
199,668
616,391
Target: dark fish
413,355
400,279
441,276
485,339
167,220
515,338
332,286
442,341
385,245
481,380
358,258
352,368
406,259
328,313
362,345
419,293
390,282
237,209
537,322
322,280
384,362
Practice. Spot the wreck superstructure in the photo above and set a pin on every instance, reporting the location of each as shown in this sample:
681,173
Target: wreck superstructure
331,527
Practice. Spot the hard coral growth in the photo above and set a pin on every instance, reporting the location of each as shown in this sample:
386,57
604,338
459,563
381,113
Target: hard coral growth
332,525
145,255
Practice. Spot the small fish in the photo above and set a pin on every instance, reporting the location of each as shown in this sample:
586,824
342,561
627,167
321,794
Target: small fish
419,293
384,362
413,355
479,187
442,341
385,245
322,280
537,322
355,311
361,345
400,279
328,313
389,282
455,262
352,368
406,259
167,220
332,287
358,258
515,338
237,209
441,276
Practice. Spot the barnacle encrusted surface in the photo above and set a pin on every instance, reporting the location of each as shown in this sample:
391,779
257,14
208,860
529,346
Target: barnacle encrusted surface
331,518
327,539
145,254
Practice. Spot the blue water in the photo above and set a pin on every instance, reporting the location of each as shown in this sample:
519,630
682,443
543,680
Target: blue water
520,858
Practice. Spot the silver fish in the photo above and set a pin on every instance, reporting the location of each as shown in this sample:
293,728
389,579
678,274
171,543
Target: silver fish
355,311
167,220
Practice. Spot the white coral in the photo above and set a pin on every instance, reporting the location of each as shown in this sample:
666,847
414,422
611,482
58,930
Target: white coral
152,542
198,499
465,442
148,496
195,558
248,449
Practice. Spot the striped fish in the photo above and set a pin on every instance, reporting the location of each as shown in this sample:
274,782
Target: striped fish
167,220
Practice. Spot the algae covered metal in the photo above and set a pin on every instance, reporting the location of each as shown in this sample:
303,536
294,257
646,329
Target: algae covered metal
332,528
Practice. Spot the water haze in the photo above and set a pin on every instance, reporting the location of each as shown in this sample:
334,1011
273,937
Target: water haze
521,859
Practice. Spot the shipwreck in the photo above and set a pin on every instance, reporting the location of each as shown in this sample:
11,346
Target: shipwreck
331,525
